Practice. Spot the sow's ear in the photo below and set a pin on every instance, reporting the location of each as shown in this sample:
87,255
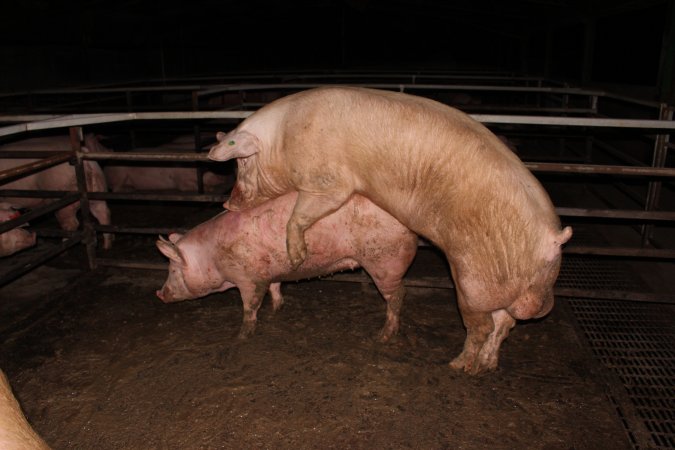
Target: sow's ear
240,144
170,250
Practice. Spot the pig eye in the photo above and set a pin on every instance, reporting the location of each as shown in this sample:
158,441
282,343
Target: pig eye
231,143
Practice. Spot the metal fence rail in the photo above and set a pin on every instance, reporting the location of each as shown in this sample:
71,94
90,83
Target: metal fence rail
662,127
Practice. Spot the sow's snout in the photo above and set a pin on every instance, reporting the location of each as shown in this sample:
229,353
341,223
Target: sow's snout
167,296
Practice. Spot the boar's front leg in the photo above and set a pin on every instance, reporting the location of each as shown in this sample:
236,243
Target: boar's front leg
479,325
252,295
309,207
488,358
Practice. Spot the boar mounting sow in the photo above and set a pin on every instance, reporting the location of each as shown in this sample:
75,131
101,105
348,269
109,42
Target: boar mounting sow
439,172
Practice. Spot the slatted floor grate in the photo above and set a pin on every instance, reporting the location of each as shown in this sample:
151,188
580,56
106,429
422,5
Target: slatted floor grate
594,273
636,341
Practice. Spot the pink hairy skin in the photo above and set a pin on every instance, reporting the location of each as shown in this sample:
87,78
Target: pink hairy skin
435,169
247,250
15,431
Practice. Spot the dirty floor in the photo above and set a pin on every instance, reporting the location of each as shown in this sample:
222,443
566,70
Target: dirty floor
98,362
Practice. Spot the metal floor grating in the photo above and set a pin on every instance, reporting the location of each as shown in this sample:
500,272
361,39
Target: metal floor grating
596,273
636,342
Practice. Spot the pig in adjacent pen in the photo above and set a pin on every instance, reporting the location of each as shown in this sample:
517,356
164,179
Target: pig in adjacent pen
247,250
130,177
439,172
14,240
59,178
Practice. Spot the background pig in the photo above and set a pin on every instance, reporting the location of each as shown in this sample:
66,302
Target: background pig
246,249
439,172
15,432
13,240
128,178
59,178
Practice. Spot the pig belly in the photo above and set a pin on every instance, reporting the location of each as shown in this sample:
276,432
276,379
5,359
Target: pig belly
315,267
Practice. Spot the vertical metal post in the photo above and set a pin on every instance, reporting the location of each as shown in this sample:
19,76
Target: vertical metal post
659,160
198,144
89,235
594,104
588,157
132,131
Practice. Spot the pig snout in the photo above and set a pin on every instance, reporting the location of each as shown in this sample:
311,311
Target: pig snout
167,296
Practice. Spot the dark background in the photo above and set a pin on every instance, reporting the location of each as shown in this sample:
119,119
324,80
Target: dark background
600,42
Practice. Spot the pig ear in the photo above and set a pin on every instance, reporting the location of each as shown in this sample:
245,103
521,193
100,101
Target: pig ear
220,136
170,250
240,144
174,237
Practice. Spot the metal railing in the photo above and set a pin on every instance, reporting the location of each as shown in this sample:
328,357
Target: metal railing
657,173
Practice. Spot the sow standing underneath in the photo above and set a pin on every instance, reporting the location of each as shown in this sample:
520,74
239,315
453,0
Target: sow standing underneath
439,172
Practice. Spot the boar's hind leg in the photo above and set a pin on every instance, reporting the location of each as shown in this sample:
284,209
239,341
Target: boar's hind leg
488,357
251,295
309,207
479,325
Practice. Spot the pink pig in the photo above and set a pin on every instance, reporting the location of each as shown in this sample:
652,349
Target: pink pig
435,169
125,177
14,240
59,178
247,250
15,431
129,178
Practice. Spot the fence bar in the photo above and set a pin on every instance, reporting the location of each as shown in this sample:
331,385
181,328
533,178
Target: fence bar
29,168
138,230
616,214
76,138
638,252
40,211
89,119
60,248
433,282
601,294
658,160
135,196
602,170
147,156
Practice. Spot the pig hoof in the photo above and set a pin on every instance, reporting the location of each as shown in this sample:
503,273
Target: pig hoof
462,362
474,367
296,260
246,331
297,255
480,369
456,365
276,307
459,362
385,335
